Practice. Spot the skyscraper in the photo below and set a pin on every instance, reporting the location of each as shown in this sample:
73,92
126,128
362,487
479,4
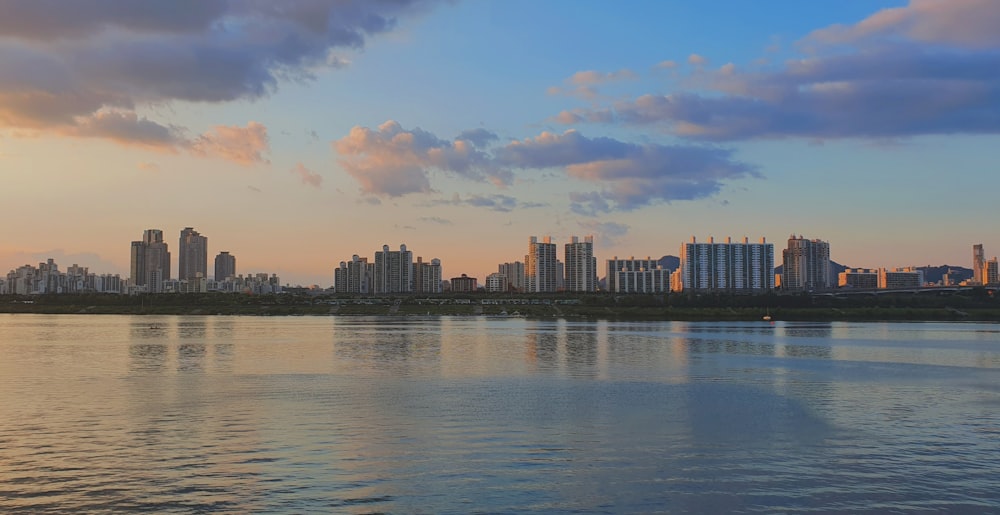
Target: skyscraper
393,270
193,258
427,276
225,266
150,261
514,275
806,265
978,260
733,267
353,276
581,266
540,270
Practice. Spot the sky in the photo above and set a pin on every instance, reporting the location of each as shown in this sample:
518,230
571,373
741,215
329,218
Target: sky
296,134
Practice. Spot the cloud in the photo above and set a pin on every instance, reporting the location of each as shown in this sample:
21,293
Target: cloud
149,167
697,60
244,145
500,203
668,64
608,234
478,137
631,175
899,73
581,84
307,176
959,23
434,220
391,161
87,68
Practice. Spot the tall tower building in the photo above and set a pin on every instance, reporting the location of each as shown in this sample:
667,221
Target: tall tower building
991,272
427,276
353,276
393,270
150,261
580,265
193,258
978,260
730,267
225,266
806,265
514,275
540,270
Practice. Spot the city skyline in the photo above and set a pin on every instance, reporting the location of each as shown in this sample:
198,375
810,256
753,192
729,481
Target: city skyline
461,128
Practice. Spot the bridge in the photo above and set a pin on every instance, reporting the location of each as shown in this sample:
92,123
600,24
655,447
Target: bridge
942,290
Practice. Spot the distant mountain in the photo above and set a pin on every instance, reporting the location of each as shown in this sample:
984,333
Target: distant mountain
669,262
934,274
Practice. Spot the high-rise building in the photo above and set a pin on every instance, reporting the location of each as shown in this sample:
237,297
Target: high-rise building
225,266
991,274
540,266
150,261
580,265
427,276
193,258
393,270
728,267
978,260
636,276
806,265
353,276
514,275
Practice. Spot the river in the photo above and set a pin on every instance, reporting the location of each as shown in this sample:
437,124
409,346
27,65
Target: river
214,414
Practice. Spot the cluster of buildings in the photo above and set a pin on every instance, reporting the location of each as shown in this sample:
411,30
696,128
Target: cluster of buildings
724,267
150,272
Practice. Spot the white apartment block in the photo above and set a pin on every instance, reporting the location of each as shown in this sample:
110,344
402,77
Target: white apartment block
580,265
726,267
897,278
541,271
636,276
393,270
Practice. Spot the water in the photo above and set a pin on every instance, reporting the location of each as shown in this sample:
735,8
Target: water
475,415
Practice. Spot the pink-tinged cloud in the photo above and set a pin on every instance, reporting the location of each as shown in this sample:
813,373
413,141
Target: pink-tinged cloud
962,23
81,68
307,176
243,145
901,76
582,84
697,60
391,161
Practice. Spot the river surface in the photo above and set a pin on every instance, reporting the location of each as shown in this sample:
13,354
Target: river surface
112,414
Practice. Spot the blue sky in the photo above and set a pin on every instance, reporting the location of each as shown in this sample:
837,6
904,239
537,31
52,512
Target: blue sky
295,135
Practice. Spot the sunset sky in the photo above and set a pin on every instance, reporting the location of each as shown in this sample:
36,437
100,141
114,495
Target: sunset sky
295,134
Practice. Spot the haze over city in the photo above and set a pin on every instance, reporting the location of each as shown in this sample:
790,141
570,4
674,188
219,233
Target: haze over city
300,135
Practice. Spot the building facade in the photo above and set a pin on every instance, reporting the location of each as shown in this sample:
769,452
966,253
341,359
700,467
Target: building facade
192,260
899,278
150,262
225,266
353,276
393,270
464,284
496,283
541,269
858,279
806,265
614,265
978,260
427,276
514,274
726,267
580,265
991,275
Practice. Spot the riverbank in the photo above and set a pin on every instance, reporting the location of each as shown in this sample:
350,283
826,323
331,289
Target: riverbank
585,308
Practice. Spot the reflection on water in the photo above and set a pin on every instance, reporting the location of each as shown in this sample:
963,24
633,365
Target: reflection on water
457,415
